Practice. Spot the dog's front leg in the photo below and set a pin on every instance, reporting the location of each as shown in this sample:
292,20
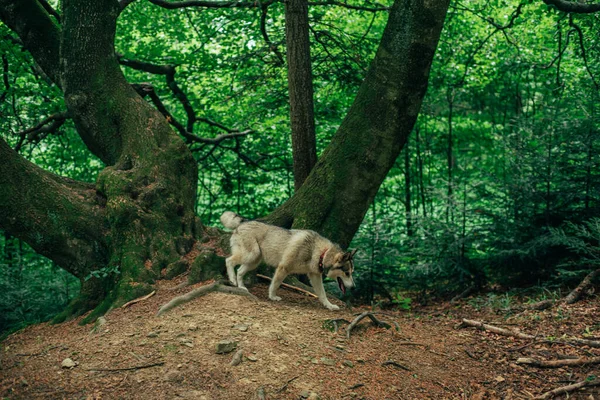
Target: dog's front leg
279,276
316,280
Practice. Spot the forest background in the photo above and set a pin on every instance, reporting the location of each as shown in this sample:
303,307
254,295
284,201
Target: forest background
496,189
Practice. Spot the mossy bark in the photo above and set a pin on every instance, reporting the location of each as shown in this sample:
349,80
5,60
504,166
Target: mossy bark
336,195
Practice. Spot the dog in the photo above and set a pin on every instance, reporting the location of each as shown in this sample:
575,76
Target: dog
289,251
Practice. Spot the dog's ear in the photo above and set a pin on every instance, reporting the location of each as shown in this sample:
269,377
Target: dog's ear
339,257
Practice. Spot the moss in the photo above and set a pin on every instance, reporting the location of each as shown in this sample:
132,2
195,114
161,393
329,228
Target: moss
207,265
176,268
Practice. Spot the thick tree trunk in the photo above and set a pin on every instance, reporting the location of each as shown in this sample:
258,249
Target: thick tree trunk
300,88
139,217
337,193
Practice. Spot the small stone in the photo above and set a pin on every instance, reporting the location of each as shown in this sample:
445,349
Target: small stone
313,396
173,376
188,344
339,347
192,327
251,358
304,394
68,363
226,346
180,334
348,363
327,361
360,360
241,327
152,334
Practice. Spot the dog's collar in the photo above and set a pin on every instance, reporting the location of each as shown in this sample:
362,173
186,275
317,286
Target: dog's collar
321,267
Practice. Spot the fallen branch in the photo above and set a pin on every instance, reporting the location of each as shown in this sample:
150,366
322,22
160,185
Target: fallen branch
285,285
520,335
376,322
334,323
285,385
158,364
569,388
219,286
396,364
138,299
582,287
558,363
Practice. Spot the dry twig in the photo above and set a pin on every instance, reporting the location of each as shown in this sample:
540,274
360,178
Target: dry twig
287,286
158,364
138,299
569,388
396,364
373,318
558,363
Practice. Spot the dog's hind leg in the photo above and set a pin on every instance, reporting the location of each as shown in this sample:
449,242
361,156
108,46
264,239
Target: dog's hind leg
230,263
245,268
279,276
316,280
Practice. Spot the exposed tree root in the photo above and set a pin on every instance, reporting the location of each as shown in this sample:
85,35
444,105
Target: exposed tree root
569,388
158,364
558,363
371,315
220,286
139,299
333,323
520,335
575,295
396,364
285,285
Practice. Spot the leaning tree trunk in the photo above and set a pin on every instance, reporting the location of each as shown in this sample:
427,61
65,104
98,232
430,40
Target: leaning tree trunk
139,217
336,195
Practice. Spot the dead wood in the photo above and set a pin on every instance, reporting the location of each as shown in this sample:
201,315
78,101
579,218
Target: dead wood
287,286
558,363
569,388
575,295
540,305
395,364
333,323
138,299
158,364
285,385
520,335
372,317
220,286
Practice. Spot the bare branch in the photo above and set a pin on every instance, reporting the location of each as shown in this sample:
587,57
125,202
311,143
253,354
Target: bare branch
41,130
573,7
582,47
263,31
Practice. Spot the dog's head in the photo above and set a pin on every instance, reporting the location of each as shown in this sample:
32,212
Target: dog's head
341,270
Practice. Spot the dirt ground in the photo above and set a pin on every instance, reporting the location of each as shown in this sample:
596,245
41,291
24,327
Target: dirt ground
288,353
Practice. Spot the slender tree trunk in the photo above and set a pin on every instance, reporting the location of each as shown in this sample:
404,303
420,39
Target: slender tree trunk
300,87
420,172
407,188
450,157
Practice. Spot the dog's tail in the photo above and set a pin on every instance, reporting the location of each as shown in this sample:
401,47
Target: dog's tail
231,220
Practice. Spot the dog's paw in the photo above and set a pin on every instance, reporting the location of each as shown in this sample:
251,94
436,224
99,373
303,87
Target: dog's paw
275,298
332,307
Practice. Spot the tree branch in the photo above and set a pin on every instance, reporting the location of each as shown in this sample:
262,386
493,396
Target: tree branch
208,4
60,218
377,8
39,33
573,7
42,129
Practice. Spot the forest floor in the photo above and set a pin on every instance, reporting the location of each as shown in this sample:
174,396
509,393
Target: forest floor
289,354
